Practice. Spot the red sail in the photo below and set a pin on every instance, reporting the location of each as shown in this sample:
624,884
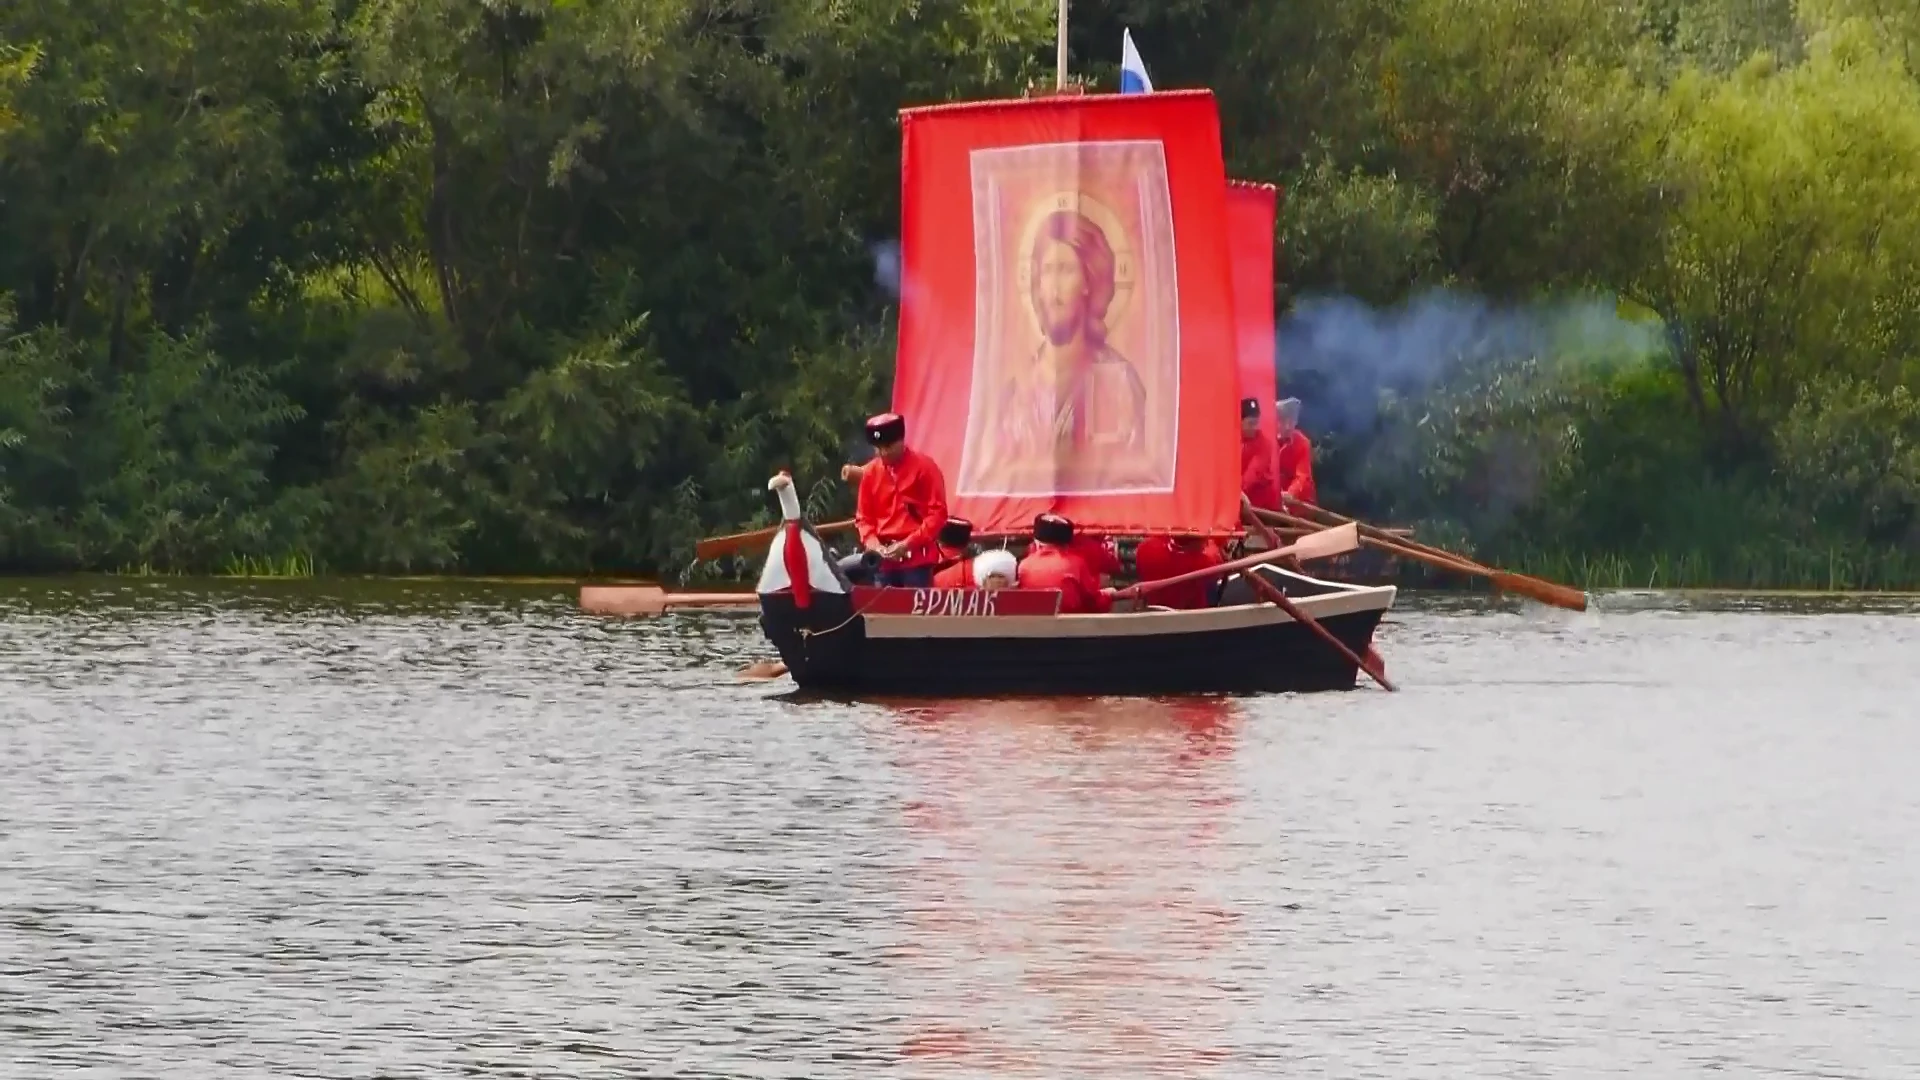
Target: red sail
1251,214
1067,336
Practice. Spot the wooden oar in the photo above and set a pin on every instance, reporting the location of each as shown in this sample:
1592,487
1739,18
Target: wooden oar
1322,544
1271,593
1546,592
648,601
1266,531
719,547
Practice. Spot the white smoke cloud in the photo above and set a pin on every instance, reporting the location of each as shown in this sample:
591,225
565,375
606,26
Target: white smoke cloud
886,266
1340,355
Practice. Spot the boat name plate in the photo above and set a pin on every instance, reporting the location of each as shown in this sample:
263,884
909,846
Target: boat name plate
963,603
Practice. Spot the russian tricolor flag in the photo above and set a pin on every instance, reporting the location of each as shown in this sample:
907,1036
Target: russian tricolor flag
1133,70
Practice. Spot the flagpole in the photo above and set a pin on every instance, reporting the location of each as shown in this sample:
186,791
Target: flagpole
1060,51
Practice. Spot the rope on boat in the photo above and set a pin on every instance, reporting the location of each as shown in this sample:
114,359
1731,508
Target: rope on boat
806,632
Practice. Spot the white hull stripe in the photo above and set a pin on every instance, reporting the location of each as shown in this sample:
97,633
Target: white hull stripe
1127,624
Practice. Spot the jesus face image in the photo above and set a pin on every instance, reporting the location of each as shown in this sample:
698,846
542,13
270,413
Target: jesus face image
1078,395
1061,402
1072,279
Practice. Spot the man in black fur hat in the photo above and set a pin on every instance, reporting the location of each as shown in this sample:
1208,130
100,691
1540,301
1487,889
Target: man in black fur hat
902,506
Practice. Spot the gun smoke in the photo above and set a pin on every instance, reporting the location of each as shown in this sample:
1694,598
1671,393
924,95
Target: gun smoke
1348,362
1340,355
1343,357
886,266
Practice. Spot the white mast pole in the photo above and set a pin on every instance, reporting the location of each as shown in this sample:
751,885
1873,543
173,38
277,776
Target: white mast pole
1060,51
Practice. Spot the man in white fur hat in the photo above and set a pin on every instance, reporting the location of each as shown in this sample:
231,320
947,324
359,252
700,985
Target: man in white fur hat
995,570
969,571
1296,456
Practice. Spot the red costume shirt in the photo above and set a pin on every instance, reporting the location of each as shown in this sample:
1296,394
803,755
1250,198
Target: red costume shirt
1260,471
1099,555
906,500
957,576
1158,558
1296,468
1050,567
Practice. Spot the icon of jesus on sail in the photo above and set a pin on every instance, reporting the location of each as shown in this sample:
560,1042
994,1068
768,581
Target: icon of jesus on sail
1075,373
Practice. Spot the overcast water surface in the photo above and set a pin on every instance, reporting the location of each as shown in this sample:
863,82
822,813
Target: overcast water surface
343,830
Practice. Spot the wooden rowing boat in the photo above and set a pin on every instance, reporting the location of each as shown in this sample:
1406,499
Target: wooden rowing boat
1068,345
1126,196
952,643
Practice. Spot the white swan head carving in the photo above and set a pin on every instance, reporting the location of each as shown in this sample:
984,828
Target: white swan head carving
782,482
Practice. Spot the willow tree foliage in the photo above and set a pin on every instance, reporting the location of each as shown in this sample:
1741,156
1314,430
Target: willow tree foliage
553,284
1789,248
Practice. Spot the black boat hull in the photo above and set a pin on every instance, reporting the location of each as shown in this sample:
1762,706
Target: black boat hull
1245,647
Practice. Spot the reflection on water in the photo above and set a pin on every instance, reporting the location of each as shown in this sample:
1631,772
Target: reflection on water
1062,903
357,830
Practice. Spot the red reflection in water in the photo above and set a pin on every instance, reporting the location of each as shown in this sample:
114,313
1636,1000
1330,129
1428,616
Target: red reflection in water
1067,907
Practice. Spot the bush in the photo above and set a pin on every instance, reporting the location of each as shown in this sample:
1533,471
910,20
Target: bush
1850,456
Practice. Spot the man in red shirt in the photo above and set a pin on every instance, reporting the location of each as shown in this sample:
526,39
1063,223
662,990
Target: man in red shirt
956,566
1053,563
1100,555
902,506
988,571
1259,459
954,570
1296,456
1161,557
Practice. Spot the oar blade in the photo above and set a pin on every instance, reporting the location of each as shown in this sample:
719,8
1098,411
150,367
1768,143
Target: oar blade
762,670
1546,592
649,601
1327,543
638,601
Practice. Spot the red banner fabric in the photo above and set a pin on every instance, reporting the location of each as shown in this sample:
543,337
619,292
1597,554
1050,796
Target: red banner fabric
1067,338
1251,213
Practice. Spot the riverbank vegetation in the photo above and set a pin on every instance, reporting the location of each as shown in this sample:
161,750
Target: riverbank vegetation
551,285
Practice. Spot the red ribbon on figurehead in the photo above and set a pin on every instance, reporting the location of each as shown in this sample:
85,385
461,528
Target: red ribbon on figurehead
793,552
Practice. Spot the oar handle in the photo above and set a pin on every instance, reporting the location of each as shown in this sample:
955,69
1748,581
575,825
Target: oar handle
1445,560
1317,545
1381,536
717,547
1273,594
674,600
1546,592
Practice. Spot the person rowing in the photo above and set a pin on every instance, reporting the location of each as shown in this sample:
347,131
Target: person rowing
1295,464
1259,459
1101,555
1161,557
1053,562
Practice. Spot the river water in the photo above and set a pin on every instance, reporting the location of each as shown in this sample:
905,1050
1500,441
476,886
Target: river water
341,830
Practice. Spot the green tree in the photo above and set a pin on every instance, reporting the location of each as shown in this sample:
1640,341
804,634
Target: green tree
1787,251
554,284
1522,117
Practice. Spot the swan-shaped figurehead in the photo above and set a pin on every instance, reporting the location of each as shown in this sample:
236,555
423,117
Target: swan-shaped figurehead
797,560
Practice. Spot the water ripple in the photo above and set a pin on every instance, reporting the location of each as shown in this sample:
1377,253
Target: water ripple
366,830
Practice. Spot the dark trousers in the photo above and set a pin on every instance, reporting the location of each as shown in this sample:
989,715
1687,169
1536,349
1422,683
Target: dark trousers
858,568
920,577
863,571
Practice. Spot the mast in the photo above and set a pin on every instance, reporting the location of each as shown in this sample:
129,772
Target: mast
1060,51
